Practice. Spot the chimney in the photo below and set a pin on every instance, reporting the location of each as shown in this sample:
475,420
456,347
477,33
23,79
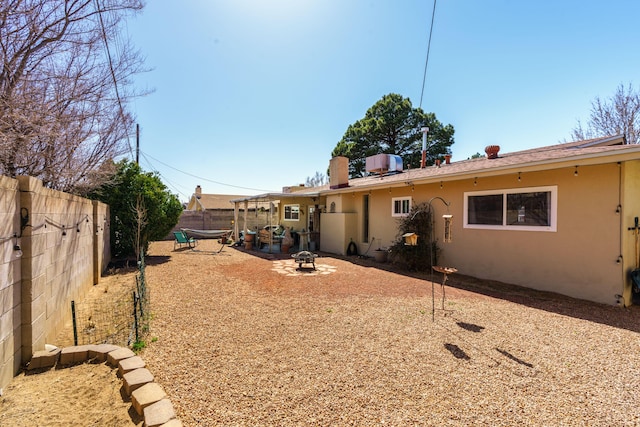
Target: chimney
198,190
338,172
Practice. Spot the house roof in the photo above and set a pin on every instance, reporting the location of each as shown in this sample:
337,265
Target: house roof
577,153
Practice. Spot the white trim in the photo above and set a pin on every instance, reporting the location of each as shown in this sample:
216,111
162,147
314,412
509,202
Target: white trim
284,212
393,205
553,214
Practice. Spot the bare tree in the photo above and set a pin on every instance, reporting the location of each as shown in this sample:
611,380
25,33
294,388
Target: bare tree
615,116
140,215
317,180
64,88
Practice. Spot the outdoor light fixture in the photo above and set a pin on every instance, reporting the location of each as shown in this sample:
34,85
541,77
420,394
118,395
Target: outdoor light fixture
17,251
24,219
441,185
575,173
475,181
519,178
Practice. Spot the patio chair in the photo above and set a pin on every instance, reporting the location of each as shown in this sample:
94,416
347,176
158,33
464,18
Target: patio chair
181,238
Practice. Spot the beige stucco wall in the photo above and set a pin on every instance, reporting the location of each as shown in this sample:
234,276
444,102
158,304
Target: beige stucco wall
303,218
340,226
579,259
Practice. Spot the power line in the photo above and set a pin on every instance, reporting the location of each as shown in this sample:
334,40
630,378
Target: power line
204,179
113,74
171,184
426,63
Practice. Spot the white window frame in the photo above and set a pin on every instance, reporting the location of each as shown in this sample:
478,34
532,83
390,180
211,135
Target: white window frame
393,206
297,212
553,210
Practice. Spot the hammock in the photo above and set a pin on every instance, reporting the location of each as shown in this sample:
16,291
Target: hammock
207,233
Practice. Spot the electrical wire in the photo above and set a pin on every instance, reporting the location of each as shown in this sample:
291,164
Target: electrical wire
113,74
426,63
164,178
205,179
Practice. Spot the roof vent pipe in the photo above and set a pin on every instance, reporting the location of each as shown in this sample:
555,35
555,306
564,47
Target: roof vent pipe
423,162
492,151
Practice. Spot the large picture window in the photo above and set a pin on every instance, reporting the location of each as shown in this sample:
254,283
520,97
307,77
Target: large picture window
291,212
400,206
532,209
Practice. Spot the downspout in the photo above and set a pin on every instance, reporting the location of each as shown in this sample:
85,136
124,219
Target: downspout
626,297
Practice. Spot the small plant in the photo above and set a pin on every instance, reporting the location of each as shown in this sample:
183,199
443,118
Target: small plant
139,345
154,339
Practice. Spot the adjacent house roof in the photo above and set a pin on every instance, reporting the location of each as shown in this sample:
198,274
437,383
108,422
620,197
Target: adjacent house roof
199,202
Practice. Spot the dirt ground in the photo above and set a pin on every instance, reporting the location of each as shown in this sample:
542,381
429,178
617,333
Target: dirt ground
246,338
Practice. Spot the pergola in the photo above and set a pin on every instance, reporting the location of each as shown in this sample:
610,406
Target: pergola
263,198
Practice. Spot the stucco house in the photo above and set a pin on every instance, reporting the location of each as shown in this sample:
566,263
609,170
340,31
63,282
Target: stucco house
558,218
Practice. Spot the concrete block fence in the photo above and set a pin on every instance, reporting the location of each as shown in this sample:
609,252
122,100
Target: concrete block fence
148,398
54,247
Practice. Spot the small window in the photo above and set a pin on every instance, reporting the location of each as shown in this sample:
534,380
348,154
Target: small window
291,212
400,206
532,209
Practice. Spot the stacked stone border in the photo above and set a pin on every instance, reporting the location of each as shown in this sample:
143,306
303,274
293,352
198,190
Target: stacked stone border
147,397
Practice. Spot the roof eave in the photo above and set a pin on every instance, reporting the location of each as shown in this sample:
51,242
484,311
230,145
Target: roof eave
268,197
584,159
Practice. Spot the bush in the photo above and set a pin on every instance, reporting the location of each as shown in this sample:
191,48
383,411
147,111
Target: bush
425,253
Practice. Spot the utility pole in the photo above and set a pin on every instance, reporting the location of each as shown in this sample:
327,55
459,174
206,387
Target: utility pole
137,143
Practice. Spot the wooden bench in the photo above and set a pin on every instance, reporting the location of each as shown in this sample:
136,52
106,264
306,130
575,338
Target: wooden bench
265,238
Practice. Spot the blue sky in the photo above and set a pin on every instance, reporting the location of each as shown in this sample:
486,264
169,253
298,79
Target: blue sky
250,96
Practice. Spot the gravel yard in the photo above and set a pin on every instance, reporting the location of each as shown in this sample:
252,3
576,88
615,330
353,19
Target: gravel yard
247,340
243,338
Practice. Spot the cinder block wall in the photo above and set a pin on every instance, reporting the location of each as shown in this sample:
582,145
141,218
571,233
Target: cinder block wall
65,247
10,277
221,219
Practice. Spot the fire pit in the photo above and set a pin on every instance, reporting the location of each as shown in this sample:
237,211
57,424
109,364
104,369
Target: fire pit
305,257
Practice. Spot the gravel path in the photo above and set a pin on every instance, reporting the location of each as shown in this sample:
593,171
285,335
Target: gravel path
242,339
